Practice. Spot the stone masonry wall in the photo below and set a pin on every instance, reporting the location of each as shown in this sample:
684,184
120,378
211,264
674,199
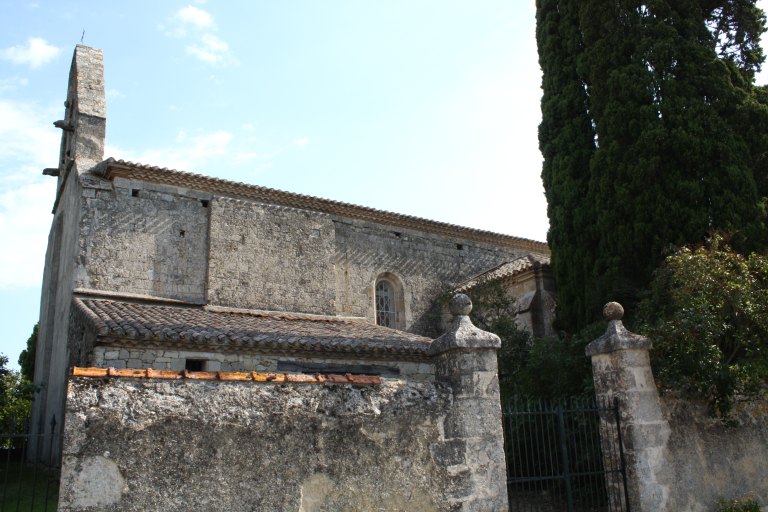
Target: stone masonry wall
678,457
706,458
180,445
144,239
270,257
174,359
427,265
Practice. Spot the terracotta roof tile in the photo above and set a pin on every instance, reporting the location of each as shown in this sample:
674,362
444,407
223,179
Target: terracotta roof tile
112,168
506,269
299,378
196,327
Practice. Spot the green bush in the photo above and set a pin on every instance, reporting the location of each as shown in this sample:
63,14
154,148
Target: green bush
737,505
550,369
707,314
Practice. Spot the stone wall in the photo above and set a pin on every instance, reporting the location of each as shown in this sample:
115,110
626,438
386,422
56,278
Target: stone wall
144,239
706,458
678,458
395,444
181,445
174,359
270,257
427,265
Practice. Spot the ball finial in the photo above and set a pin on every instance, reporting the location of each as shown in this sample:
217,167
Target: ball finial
613,311
460,304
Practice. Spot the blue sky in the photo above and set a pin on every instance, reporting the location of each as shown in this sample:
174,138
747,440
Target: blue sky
423,107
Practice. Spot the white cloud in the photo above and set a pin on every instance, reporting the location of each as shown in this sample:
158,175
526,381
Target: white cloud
28,143
196,26
211,49
190,152
27,137
35,53
25,217
303,141
195,16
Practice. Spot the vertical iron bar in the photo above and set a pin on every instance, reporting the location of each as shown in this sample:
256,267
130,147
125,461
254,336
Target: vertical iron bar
538,484
621,449
553,446
21,471
36,470
8,460
597,484
50,456
564,449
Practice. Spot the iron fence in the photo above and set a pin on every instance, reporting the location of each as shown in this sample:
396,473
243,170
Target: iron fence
564,457
29,469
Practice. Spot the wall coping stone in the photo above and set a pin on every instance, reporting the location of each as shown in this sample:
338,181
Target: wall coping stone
616,336
462,334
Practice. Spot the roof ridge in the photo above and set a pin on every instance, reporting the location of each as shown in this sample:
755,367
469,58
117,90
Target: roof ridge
111,168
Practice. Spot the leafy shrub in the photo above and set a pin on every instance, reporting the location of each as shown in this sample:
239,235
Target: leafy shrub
707,314
737,505
550,369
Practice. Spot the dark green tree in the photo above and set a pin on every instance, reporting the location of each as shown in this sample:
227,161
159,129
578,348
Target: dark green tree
27,356
567,141
666,87
15,398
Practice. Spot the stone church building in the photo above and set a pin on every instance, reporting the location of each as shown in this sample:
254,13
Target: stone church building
149,267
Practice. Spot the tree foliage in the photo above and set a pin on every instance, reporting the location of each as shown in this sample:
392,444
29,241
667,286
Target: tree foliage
550,369
15,397
27,356
647,138
707,314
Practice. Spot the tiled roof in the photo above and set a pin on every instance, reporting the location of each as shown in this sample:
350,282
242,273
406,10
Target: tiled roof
293,378
203,328
506,269
112,168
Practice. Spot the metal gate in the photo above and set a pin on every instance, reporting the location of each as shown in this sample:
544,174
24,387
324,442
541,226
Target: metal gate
564,457
29,473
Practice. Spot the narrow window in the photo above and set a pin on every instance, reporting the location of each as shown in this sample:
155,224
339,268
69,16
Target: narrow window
385,304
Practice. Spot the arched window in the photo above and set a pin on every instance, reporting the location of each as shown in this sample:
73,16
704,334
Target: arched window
386,312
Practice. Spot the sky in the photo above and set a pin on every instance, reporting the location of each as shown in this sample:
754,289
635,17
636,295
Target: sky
422,107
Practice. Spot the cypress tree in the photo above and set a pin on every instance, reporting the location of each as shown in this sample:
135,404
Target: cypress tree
668,87
566,140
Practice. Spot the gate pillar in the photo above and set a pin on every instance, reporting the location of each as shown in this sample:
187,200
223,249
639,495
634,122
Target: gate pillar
621,370
472,448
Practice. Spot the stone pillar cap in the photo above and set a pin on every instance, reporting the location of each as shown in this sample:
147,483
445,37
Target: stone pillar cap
463,334
616,336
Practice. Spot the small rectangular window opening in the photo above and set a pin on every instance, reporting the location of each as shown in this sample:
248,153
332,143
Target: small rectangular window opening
460,247
397,234
204,203
182,233
194,365
134,192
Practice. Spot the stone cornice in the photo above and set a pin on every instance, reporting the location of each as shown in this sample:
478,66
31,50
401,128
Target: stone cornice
111,169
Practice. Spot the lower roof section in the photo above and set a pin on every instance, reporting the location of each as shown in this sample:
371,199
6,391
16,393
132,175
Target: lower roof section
136,323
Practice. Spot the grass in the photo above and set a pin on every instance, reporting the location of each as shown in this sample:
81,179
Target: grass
23,488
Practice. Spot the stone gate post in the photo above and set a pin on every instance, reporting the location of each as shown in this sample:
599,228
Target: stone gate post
473,446
621,369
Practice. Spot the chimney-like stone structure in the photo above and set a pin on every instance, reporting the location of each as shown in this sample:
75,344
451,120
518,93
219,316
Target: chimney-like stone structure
466,361
85,116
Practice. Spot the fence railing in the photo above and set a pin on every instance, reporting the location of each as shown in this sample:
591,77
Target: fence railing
564,457
29,467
